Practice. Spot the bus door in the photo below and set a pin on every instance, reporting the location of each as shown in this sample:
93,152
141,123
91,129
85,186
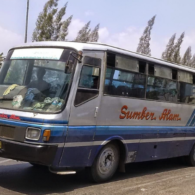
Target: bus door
84,110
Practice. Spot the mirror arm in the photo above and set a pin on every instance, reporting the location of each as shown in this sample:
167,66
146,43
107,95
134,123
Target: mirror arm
80,56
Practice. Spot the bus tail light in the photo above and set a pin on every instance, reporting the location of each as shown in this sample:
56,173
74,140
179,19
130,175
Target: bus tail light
46,135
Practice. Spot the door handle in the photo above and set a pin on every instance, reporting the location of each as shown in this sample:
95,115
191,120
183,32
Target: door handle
96,112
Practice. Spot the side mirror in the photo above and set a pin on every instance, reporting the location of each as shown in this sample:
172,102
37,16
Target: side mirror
69,67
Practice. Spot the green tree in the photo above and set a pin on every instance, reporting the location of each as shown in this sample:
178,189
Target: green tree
192,61
84,34
176,58
1,59
64,29
144,43
186,60
166,55
49,25
94,36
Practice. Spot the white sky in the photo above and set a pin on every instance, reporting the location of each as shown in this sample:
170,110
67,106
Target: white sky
121,23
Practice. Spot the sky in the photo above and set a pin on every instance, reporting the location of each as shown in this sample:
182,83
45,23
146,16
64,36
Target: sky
121,22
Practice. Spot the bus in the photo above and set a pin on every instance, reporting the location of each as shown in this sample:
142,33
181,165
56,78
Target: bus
71,106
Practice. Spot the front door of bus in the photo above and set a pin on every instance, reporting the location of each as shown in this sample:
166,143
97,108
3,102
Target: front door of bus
84,109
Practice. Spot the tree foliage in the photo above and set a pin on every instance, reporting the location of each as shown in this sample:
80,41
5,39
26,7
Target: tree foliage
144,43
176,58
1,59
167,54
84,34
50,25
88,35
192,61
186,60
94,36
64,29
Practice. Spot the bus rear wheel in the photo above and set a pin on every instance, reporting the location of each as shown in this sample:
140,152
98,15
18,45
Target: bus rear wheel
105,164
191,158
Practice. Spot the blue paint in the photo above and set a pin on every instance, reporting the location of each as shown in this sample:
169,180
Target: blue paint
85,155
58,132
36,120
191,121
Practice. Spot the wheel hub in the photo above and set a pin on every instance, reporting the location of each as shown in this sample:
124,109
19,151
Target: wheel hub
106,161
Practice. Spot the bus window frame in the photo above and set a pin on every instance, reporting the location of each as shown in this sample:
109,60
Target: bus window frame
89,89
147,74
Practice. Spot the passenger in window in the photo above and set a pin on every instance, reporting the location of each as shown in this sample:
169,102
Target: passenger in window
40,84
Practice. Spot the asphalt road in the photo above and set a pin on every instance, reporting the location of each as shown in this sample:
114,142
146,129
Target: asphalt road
159,177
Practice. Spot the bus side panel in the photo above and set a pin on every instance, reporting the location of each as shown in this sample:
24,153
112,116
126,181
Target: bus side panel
105,134
163,126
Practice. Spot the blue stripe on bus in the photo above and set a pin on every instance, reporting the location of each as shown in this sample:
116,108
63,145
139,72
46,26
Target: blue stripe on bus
58,132
191,121
36,120
86,133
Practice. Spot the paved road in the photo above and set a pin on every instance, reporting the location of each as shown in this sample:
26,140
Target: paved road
159,177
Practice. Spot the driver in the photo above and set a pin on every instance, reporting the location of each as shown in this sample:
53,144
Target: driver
40,84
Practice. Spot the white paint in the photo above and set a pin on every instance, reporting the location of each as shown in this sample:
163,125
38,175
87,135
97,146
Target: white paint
37,53
104,47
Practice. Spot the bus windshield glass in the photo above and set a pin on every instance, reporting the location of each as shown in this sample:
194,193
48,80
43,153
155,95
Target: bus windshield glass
35,80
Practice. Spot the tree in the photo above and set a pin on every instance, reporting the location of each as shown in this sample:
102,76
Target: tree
1,59
192,61
84,34
49,25
94,36
64,29
144,43
186,60
176,50
166,55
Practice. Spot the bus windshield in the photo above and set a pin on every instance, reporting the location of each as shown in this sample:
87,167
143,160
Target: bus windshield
35,79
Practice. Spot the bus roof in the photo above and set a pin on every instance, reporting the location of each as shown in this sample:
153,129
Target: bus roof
104,47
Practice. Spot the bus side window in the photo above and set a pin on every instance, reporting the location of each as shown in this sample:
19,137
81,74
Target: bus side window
89,77
88,87
124,83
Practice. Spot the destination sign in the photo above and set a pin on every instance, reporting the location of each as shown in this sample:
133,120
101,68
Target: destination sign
37,53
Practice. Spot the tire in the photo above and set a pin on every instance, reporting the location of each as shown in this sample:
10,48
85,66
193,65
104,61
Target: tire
105,164
191,158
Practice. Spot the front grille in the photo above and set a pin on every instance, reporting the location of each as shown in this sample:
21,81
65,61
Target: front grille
7,132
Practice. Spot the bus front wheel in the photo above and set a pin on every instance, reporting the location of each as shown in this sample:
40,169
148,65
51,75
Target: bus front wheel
105,164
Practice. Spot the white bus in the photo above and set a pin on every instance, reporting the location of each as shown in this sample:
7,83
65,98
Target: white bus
70,106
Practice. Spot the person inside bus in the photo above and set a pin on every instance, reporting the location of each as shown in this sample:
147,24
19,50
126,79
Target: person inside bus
40,84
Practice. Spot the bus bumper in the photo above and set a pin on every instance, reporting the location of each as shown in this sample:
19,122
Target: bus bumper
39,154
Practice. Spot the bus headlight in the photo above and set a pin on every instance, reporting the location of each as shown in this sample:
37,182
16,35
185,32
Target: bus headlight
33,133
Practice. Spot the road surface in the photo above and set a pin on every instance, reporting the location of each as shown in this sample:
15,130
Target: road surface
159,177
